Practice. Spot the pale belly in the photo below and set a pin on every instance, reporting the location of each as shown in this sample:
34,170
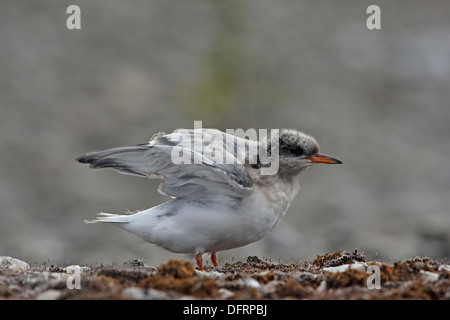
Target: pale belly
195,228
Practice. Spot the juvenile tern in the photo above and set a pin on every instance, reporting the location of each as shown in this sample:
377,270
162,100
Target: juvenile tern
216,205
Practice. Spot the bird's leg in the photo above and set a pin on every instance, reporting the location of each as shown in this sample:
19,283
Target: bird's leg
199,259
214,259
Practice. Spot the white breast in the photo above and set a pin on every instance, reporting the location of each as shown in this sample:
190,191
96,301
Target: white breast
266,206
191,227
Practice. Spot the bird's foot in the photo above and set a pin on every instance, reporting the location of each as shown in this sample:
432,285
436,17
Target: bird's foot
214,259
199,259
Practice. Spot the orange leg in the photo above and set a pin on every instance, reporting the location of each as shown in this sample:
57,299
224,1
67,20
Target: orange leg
214,259
199,259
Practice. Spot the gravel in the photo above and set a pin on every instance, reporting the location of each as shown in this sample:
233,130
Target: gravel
339,275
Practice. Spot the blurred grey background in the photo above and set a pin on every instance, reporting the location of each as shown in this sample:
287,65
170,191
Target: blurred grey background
379,100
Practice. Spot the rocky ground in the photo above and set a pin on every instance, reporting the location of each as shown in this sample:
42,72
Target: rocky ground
339,275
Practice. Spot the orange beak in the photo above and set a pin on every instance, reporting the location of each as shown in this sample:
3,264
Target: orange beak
321,158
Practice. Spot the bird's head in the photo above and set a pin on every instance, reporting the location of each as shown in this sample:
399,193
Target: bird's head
297,151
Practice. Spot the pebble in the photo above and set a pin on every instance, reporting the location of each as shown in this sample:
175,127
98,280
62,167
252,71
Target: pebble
322,286
445,267
12,264
271,286
144,294
428,276
244,282
345,267
209,274
250,282
49,295
306,276
46,278
137,264
225,293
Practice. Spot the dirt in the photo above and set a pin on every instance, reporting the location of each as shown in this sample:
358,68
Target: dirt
338,275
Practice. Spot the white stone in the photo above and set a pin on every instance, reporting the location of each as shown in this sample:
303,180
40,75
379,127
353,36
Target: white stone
345,267
46,278
49,295
428,276
250,282
12,264
271,286
244,282
209,274
322,286
143,294
225,293
444,267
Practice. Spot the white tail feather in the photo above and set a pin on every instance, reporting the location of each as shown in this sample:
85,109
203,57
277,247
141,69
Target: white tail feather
108,217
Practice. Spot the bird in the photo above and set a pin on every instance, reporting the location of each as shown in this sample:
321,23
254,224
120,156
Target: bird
215,205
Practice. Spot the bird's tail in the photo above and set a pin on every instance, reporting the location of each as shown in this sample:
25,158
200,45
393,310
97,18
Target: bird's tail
109,218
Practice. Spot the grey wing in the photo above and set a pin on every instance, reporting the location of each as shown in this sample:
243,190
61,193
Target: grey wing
202,177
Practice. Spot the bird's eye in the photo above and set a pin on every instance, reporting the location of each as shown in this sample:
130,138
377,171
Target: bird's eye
296,151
